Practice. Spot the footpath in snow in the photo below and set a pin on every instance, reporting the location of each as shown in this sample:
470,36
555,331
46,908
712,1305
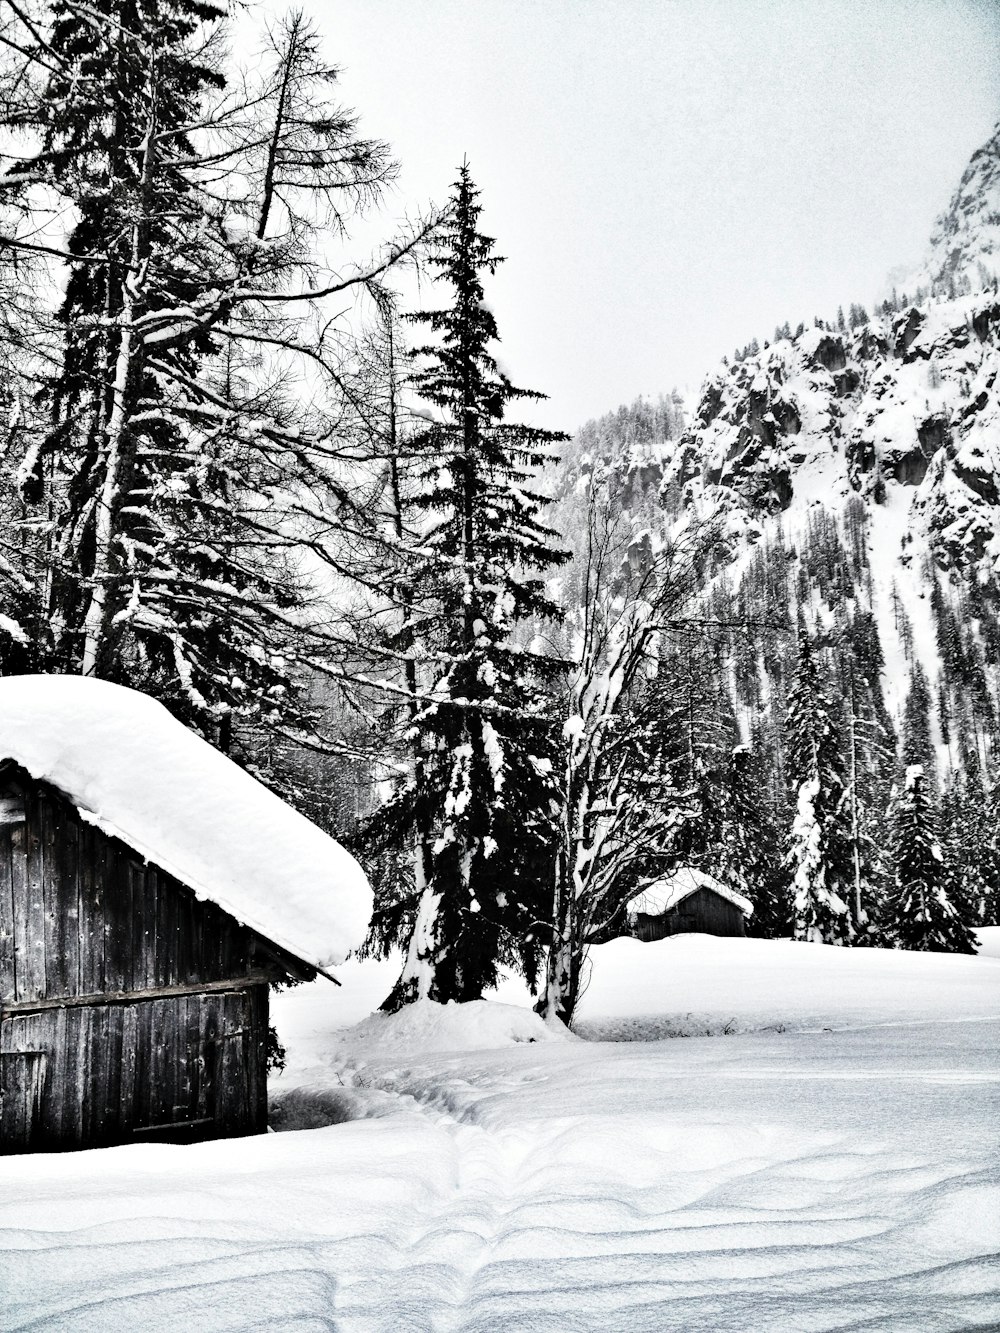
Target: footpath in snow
832,1163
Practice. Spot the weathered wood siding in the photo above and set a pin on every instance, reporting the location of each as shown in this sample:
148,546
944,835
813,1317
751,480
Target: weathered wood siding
82,914
84,925
181,1069
703,911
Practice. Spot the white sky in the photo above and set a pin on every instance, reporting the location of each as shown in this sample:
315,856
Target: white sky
669,178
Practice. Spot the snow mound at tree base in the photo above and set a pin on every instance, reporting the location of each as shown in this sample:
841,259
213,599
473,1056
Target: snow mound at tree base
478,1025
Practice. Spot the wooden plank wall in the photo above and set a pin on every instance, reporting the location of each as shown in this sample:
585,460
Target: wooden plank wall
82,914
181,1069
703,911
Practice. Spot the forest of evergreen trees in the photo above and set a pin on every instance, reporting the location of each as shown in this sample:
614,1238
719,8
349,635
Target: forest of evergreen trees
518,679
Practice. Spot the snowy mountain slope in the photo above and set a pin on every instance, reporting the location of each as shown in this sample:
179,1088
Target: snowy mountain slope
902,413
856,471
909,400
965,243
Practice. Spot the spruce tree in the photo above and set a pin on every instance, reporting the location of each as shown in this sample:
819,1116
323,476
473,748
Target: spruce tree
485,729
819,854
923,913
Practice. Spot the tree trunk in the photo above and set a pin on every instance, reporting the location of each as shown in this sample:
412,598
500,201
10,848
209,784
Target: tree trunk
562,983
118,462
416,981
97,620
566,952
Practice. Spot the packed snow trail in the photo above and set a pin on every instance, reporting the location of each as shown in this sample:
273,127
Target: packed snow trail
808,1179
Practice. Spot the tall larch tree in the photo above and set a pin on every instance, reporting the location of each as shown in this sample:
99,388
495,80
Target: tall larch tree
112,120
167,482
485,727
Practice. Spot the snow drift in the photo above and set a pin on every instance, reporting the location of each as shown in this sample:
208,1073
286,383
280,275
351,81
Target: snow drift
701,985
784,1180
141,776
478,1025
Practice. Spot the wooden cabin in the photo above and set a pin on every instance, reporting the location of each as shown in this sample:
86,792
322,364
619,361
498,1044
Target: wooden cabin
685,902
132,1008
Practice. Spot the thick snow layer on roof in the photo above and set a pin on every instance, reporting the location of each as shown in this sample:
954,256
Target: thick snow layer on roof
139,774
663,894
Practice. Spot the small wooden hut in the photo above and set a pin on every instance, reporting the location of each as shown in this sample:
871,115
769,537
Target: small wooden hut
685,902
133,997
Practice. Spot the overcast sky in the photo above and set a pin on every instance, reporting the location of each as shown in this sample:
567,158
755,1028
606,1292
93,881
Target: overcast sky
669,178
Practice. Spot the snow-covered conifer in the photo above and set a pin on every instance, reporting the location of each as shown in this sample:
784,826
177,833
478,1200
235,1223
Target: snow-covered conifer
485,726
819,855
916,741
968,842
923,913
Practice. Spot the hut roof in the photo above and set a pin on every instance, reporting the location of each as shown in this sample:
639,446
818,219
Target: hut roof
661,895
137,773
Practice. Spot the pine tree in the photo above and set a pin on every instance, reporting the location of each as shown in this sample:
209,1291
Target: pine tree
819,855
486,729
923,912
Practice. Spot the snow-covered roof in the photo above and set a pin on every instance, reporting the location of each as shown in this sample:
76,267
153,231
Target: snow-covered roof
142,776
661,895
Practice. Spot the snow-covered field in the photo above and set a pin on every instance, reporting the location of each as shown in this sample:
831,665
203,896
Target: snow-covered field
831,1163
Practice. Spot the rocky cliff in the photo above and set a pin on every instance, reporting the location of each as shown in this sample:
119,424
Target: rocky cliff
856,473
